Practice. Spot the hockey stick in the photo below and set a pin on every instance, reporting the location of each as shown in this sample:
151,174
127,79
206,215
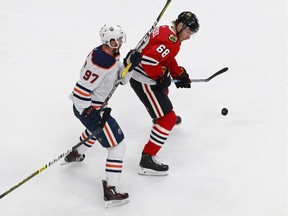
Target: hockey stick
208,79
138,47
145,38
126,69
105,116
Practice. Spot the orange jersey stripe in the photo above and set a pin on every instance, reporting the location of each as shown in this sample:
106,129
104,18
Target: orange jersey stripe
81,93
96,107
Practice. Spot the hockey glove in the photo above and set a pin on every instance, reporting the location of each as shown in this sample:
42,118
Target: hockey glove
164,80
184,80
133,57
87,112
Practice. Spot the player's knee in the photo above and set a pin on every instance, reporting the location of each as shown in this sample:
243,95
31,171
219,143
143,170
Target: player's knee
118,151
168,120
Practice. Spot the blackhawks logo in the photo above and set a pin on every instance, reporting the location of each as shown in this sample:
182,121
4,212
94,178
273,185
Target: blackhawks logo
172,38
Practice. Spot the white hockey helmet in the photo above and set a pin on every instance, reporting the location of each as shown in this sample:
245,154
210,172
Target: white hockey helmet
110,32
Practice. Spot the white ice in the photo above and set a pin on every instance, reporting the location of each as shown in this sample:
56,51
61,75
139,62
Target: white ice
219,166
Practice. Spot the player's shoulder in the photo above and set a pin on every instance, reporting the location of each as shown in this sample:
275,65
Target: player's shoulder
166,28
101,58
168,33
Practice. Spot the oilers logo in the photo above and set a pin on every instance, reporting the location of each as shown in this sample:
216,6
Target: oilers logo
120,131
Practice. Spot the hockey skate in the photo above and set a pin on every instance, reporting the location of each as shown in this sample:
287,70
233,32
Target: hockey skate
151,167
73,156
112,197
178,120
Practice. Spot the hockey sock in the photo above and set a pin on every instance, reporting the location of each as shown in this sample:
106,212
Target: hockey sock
160,133
88,144
114,164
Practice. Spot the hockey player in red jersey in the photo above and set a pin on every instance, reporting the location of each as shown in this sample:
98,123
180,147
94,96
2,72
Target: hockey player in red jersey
97,78
151,79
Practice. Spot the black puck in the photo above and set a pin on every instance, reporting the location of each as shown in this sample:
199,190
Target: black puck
224,111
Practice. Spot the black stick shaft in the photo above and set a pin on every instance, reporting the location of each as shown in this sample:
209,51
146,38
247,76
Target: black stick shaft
207,79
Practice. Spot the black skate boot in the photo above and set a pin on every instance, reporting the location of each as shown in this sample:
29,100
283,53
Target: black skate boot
74,156
178,120
112,197
150,166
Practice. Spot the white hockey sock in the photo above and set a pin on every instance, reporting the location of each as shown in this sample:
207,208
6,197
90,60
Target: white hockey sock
114,164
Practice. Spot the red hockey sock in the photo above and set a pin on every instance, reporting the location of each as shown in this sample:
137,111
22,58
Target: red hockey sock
160,133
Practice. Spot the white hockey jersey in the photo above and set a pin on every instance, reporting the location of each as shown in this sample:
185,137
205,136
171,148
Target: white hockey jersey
97,78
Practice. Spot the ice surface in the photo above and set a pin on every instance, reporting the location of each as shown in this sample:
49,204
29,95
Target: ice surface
232,165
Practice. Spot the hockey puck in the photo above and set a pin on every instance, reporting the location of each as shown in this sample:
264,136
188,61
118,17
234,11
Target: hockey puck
224,111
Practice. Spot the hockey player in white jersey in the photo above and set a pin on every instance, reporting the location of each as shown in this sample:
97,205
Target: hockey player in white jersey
97,78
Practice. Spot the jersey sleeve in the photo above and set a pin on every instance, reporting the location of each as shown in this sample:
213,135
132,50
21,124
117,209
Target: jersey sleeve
174,68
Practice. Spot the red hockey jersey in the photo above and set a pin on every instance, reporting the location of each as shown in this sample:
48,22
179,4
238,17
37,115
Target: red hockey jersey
160,51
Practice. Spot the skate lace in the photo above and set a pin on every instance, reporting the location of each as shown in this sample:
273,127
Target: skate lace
156,161
115,192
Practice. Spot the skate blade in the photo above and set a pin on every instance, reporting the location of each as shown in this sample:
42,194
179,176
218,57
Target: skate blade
150,172
113,203
63,163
